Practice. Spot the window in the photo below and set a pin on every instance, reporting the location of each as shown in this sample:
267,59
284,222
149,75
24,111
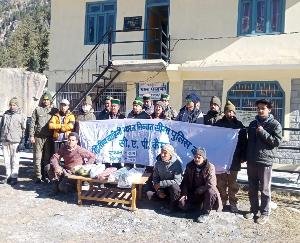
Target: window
100,17
261,16
244,94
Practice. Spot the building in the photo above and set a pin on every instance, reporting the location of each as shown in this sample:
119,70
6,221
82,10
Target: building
240,50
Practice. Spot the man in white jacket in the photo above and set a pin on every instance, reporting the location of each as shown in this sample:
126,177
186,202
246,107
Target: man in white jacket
12,129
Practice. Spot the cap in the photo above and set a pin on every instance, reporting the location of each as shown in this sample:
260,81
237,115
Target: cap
164,97
146,96
200,151
215,100
229,107
108,98
138,101
115,101
169,148
47,96
64,101
192,97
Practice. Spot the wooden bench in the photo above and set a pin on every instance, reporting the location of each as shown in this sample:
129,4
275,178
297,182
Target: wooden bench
110,194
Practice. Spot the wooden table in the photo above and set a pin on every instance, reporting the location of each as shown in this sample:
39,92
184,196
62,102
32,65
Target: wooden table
110,194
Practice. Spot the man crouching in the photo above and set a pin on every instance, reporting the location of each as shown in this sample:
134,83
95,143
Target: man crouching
199,186
73,155
167,176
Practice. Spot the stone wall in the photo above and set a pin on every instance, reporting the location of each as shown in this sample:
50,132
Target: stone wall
293,156
203,88
26,86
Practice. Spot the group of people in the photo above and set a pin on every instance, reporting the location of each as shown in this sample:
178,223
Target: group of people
199,184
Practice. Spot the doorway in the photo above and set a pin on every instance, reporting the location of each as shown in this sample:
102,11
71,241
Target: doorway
157,16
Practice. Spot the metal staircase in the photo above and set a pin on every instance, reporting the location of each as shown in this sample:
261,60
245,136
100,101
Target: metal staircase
97,71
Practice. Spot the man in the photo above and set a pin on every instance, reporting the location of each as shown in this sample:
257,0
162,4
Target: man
264,137
215,113
148,106
62,123
199,186
137,110
115,110
12,128
104,114
167,176
73,155
228,180
86,113
170,113
41,136
190,113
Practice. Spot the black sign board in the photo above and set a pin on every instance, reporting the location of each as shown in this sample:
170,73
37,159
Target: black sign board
132,23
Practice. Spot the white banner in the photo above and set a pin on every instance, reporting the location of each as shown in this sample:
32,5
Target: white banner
139,141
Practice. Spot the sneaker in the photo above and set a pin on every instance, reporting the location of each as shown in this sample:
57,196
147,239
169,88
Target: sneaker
262,219
203,218
249,215
233,208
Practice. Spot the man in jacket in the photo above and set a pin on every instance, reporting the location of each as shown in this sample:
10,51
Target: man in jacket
148,106
215,113
115,110
191,111
170,113
62,123
104,114
73,155
199,186
228,180
86,113
167,176
12,129
137,110
41,136
264,137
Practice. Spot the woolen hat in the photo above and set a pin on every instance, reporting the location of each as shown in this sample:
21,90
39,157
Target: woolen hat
192,97
229,107
108,98
138,101
169,148
215,100
164,97
200,151
115,101
146,96
64,101
14,101
47,96
88,100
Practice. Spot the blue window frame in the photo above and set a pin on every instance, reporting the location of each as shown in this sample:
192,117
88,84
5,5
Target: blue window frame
261,16
244,94
100,17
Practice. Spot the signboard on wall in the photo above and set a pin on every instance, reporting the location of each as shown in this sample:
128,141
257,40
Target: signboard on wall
132,23
154,89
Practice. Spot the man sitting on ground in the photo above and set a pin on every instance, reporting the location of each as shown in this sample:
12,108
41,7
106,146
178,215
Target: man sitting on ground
199,186
73,155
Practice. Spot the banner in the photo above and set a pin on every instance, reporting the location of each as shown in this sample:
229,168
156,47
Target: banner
139,141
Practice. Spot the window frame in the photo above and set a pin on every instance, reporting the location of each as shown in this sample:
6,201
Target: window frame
268,17
106,14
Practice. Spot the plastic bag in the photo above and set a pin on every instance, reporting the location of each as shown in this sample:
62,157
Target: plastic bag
96,169
127,178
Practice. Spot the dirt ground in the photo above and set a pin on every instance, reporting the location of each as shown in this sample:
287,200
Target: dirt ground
28,214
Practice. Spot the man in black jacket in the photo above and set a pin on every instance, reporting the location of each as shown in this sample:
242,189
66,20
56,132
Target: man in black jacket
137,110
264,137
228,180
214,114
104,114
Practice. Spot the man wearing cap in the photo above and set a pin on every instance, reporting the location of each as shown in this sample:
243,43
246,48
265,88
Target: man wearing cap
41,136
148,106
228,180
62,123
104,114
264,137
199,186
215,113
115,110
191,111
86,112
137,110
73,155
167,176
170,113
12,128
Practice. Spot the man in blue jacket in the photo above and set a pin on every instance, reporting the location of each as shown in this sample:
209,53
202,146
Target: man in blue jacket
264,137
